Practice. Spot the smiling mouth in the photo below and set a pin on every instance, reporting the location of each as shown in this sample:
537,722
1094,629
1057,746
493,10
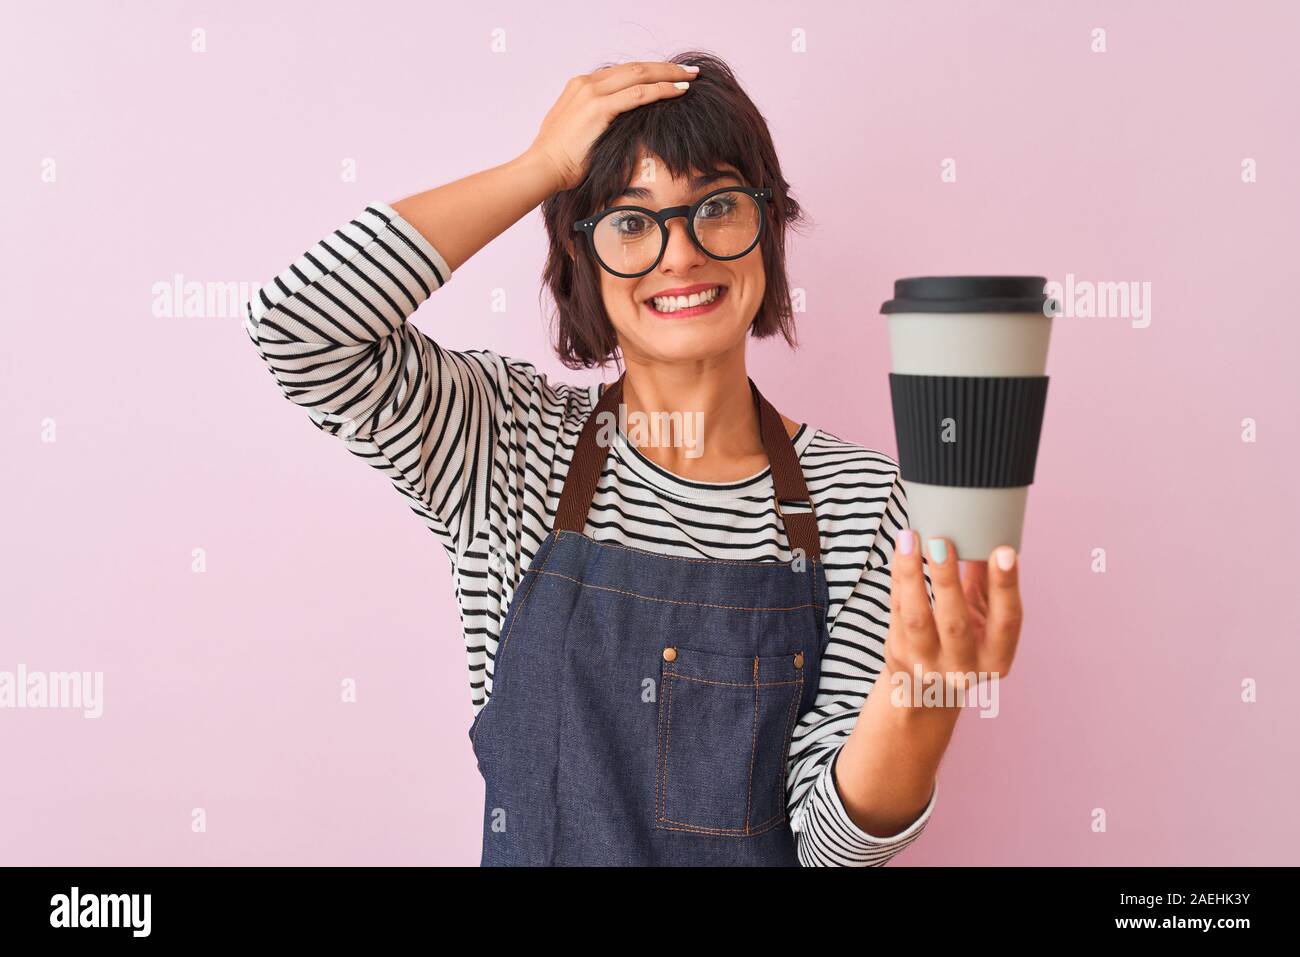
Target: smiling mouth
682,306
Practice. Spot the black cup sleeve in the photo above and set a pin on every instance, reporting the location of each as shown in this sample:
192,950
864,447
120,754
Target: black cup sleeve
966,431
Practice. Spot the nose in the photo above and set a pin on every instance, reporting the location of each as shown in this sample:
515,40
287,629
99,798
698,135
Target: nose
681,253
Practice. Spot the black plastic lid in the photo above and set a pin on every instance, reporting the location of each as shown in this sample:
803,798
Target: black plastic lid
967,294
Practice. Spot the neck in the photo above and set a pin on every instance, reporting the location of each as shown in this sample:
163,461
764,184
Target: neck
697,420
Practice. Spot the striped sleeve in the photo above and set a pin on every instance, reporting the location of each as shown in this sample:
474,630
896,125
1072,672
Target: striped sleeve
826,836
333,330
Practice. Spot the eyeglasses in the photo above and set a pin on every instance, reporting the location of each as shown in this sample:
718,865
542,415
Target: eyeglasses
629,241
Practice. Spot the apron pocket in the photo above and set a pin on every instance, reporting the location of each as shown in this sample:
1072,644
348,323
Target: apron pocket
725,724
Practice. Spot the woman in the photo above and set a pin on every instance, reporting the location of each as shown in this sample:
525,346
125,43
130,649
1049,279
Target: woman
670,644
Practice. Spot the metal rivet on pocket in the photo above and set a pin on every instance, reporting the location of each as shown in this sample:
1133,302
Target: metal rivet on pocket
798,660
670,654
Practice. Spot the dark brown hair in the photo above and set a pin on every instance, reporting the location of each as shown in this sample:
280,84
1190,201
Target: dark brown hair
712,123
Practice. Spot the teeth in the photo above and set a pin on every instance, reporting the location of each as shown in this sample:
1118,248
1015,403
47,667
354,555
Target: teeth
673,303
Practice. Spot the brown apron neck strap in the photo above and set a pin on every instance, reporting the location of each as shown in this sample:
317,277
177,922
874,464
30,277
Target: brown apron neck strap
587,464
787,477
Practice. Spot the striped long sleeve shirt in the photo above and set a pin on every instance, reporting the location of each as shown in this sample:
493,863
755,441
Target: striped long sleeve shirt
479,445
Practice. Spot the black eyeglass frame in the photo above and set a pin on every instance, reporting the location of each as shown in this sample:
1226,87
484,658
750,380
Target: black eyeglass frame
588,225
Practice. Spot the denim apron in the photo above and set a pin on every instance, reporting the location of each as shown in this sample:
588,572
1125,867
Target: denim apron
643,705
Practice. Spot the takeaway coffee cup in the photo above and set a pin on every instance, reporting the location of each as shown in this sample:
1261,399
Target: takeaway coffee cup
968,386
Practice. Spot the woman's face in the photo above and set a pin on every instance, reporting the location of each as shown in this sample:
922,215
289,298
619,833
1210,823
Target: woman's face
647,331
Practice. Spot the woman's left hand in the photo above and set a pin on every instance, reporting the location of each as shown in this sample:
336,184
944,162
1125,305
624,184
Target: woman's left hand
974,625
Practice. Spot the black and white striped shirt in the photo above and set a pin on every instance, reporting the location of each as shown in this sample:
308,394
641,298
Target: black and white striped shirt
480,444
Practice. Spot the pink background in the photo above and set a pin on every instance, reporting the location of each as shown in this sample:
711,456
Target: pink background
222,689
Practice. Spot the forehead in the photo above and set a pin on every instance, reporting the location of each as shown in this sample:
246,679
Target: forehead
652,180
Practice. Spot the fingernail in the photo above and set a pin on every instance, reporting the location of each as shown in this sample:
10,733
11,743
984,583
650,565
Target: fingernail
938,551
906,541
1005,556
682,85
692,69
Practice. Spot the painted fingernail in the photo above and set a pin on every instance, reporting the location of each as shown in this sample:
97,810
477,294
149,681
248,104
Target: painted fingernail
682,85
906,541
691,69
1005,556
938,551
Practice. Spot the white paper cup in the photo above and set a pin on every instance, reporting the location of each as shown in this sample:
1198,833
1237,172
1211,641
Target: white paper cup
969,386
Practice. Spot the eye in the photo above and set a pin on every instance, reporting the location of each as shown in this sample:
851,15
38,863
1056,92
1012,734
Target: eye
719,206
630,224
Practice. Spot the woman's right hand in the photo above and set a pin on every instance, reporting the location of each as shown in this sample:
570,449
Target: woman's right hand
591,101
462,217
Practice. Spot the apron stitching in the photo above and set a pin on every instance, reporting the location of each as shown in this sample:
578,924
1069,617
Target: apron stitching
667,601
558,811
773,565
501,648
664,748
753,750
668,737
661,814
736,684
785,744
659,740
514,621
725,831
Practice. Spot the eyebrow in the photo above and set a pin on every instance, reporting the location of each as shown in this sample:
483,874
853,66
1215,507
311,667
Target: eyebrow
695,184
